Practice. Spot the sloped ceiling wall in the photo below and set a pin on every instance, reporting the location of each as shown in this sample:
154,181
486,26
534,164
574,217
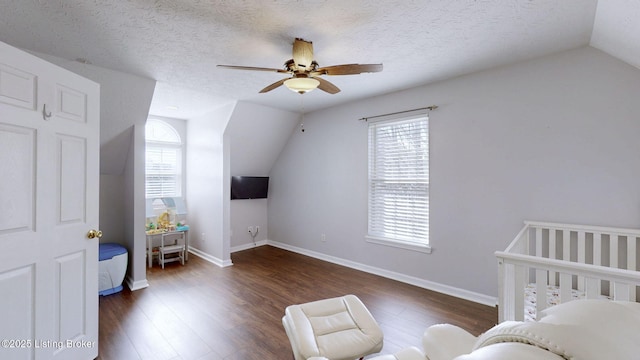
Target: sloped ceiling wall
258,134
616,30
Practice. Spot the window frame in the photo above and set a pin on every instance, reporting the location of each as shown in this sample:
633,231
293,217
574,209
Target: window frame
421,245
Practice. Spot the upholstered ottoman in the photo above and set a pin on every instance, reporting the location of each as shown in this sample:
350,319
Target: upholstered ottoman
338,329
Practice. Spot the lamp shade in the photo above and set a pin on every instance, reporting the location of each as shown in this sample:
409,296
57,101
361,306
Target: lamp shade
149,208
176,203
181,208
301,85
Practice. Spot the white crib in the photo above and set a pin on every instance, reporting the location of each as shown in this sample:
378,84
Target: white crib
568,261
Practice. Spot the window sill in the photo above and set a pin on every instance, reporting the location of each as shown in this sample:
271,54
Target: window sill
397,244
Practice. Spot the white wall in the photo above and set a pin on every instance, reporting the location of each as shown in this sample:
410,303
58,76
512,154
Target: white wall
257,134
135,210
552,139
207,185
245,213
111,209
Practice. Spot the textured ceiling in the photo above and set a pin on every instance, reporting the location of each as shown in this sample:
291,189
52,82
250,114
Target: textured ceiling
179,42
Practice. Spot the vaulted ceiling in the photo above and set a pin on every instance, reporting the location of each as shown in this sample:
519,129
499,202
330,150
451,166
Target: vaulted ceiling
180,42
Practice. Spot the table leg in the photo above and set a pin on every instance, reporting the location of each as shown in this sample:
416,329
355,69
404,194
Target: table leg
186,243
149,252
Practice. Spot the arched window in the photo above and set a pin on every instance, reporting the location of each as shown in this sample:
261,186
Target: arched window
163,170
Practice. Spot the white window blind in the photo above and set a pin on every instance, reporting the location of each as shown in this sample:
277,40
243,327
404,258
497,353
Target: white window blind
162,170
399,181
163,166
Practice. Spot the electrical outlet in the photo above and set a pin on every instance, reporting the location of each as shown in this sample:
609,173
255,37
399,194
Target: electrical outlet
202,237
250,229
323,237
257,228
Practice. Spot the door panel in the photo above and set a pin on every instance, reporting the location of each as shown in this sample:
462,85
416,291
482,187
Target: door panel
21,302
71,171
71,104
70,299
17,152
17,87
48,202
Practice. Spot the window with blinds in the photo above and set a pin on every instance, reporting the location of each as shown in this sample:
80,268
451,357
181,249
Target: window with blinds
163,166
399,182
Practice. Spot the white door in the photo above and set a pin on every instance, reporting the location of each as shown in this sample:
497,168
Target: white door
49,158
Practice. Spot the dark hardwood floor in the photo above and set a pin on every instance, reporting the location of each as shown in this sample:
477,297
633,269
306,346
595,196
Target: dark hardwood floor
201,311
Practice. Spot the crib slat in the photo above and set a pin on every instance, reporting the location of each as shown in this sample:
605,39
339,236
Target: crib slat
597,248
597,255
621,292
565,287
541,276
613,257
581,247
593,288
505,291
631,262
541,291
581,257
519,282
566,245
538,242
631,253
613,250
552,255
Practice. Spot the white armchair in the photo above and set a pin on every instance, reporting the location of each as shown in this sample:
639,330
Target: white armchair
339,328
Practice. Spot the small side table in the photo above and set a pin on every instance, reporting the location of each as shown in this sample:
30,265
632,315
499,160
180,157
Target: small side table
157,237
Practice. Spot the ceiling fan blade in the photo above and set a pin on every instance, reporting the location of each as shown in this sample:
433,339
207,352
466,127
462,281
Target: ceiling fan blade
302,54
234,67
327,86
274,85
349,69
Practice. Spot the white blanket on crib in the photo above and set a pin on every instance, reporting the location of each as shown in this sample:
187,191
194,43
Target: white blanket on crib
580,329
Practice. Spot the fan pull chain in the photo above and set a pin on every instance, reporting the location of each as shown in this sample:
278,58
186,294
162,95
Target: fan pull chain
302,107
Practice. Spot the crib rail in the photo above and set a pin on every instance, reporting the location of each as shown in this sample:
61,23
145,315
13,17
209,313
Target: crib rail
597,261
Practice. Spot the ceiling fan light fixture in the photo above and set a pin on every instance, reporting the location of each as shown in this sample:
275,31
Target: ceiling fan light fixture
301,85
305,73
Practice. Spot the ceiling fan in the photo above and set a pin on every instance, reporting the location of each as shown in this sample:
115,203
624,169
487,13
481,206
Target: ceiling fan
305,71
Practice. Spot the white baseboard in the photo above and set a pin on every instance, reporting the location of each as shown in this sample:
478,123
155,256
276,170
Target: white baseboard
210,258
137,285
248,246
425,284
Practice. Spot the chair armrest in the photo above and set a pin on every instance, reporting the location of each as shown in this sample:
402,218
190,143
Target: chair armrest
445,342
510,351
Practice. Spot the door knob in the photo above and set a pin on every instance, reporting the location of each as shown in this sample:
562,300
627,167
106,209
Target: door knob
94,234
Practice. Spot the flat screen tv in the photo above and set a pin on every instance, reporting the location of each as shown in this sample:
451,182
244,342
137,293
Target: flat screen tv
249,187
